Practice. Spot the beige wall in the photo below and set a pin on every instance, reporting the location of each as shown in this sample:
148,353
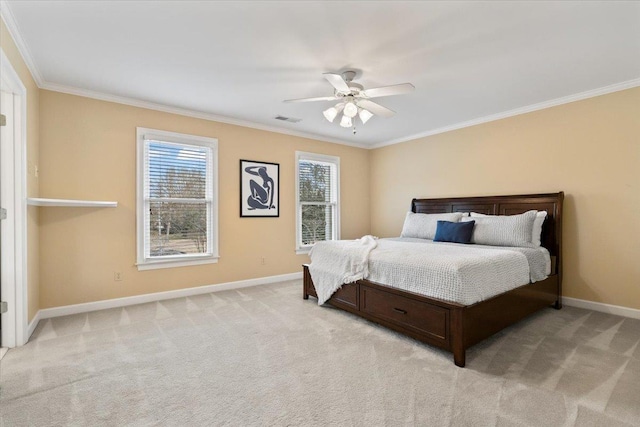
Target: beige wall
88,151
18,64
589,149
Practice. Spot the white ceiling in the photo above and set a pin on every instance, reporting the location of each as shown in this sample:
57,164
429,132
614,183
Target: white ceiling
240,60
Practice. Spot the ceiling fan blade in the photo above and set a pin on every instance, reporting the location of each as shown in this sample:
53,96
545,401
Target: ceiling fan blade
320,98
388,90
337,82
376,109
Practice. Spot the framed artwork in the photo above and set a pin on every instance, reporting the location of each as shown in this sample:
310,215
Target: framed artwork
259,189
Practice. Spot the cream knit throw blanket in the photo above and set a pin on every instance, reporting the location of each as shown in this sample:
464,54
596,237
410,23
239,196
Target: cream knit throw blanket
334,263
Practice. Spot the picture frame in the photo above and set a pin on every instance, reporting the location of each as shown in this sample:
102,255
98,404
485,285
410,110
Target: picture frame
259,189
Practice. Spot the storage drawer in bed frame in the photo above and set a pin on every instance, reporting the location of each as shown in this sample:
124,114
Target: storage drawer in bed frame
407,313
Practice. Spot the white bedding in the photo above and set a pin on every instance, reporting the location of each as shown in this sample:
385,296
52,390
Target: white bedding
465,274
337,262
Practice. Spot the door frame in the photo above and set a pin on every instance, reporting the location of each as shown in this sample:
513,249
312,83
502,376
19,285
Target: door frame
15,323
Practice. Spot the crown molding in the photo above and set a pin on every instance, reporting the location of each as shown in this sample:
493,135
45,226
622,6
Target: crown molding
522,110
222,119
190,113
12,27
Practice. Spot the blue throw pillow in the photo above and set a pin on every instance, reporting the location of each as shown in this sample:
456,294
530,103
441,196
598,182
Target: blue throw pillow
454,232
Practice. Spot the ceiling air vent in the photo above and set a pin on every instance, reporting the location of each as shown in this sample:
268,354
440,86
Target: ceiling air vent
288,119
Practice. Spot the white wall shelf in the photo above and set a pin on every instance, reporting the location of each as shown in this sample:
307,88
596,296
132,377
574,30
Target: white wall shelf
37,201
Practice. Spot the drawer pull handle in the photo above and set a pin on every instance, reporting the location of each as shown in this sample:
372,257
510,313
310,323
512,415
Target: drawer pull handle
399,310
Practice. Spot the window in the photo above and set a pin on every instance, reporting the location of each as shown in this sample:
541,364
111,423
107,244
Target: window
177,199
318,199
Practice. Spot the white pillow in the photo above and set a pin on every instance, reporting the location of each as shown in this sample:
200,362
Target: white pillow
423,226
503,230
536,231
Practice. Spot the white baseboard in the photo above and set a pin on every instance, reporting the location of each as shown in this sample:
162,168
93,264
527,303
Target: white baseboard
602,307
33,324
48,313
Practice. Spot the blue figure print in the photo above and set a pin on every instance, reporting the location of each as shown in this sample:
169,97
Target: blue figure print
261,196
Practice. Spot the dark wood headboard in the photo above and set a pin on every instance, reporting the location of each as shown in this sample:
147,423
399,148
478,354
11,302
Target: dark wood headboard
507,205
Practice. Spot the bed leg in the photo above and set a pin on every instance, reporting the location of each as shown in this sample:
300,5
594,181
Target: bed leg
306,280
457,337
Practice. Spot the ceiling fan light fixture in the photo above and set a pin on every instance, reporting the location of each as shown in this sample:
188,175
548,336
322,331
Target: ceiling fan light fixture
346,121
330,113
350,109
365,115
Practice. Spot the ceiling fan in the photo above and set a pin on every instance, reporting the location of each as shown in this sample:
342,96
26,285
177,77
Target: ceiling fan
354,99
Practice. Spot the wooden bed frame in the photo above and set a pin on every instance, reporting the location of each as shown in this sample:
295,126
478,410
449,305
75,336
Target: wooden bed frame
448,325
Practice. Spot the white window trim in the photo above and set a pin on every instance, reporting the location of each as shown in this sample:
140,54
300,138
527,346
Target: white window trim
183,261
302,155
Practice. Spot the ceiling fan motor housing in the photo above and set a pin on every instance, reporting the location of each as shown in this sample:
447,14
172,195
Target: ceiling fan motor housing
348,76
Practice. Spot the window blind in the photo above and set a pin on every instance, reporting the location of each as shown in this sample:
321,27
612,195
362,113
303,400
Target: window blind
317,183
178,199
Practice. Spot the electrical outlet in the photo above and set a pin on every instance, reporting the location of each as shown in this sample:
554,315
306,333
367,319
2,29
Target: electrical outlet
117,276
36,171
263,260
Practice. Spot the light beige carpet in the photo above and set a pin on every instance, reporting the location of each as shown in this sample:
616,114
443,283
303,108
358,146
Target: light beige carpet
263,356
